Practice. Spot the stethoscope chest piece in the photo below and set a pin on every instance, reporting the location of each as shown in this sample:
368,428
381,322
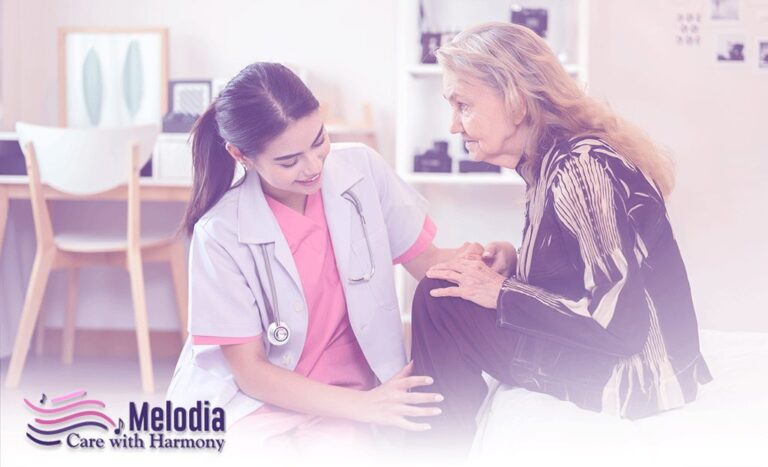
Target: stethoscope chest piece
278,333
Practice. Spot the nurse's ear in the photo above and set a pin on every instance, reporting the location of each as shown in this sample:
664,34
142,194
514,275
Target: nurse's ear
238,156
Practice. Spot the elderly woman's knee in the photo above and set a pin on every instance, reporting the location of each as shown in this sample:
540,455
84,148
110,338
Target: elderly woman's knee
425,306
427,284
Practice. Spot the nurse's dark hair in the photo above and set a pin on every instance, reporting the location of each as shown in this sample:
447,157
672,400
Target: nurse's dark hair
255,107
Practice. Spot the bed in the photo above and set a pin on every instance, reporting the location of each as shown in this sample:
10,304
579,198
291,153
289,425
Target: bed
726,426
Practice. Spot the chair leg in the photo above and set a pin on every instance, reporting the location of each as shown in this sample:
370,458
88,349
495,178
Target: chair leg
41,269
40,332
4,203
179,272
142,325
68,332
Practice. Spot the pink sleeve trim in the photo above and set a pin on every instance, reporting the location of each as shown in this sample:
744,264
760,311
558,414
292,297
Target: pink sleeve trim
214,340
422,243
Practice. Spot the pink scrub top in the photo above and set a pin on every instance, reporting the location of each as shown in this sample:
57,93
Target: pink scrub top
331,353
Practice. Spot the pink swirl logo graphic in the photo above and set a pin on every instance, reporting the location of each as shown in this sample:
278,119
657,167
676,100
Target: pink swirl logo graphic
53,422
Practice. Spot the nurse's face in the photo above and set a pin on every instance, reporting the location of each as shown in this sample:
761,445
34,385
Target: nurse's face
293,162
492,133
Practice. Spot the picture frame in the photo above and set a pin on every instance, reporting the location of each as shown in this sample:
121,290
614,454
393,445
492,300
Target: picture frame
761,48
187,100
189,96
725,11
730,49
112,76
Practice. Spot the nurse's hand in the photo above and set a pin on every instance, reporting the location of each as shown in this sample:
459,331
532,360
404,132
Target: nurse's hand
474,280
390,403
469,250
500,257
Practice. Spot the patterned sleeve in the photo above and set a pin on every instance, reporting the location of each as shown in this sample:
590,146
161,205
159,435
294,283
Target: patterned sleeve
612,314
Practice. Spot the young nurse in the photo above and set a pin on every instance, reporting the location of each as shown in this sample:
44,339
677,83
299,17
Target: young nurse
293,313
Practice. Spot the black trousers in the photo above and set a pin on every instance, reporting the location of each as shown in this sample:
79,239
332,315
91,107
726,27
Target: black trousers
454,341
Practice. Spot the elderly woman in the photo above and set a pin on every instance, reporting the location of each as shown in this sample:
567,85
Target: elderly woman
599,310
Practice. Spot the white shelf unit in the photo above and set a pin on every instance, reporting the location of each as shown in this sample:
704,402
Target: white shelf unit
480,207
423,70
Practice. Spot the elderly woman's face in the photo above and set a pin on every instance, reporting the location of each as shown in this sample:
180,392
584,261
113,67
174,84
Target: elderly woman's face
490,131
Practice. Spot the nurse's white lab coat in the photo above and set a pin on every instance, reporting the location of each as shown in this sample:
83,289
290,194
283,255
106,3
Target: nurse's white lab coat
225,256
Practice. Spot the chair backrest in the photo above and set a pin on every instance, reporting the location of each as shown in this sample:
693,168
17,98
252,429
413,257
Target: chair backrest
84,161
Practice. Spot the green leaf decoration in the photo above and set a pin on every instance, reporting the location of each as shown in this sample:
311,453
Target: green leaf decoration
133,79
93,87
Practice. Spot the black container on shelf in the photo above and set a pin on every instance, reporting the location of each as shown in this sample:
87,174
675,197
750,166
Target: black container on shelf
430,41
178,122
468,166
434,160
532,18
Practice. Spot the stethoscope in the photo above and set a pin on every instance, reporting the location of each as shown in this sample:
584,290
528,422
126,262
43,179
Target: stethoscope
278,332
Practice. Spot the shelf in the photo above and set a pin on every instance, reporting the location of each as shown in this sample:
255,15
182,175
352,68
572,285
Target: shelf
425,70
572,68
510,179
429,70
332,128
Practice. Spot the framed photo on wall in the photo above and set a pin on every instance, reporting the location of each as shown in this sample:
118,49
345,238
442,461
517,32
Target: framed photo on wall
187,100
112,76
189,96
725,10
761,46
730,48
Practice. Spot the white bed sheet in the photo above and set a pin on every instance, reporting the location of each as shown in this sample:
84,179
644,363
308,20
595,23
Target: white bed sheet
726,426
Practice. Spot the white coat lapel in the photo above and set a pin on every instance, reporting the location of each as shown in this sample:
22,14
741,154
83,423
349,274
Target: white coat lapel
337,179
257,225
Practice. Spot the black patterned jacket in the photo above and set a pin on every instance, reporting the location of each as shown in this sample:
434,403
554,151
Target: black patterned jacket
601,294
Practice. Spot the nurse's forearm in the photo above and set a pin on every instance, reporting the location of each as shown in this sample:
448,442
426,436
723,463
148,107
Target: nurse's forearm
419,265
289,390
387,404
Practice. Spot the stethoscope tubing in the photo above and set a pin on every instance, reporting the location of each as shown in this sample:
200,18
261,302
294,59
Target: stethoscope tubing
278,332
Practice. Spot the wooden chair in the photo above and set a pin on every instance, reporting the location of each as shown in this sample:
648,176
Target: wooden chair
83,163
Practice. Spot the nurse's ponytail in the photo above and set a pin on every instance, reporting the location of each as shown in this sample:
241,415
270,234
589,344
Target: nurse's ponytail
255,107
213,168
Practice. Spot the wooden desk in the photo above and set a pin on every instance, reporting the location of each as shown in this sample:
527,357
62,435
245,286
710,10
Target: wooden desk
17,187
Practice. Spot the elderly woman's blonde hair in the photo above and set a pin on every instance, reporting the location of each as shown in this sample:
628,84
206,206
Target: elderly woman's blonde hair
515,61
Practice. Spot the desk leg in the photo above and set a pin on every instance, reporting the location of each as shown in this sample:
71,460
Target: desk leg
4,202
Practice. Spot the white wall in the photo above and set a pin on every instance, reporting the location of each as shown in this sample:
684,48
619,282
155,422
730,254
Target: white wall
714,120
346,45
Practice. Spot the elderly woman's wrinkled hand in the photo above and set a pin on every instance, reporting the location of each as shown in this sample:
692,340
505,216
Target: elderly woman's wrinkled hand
474,280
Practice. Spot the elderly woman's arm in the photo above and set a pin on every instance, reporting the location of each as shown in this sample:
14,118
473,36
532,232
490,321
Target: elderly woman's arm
612,316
